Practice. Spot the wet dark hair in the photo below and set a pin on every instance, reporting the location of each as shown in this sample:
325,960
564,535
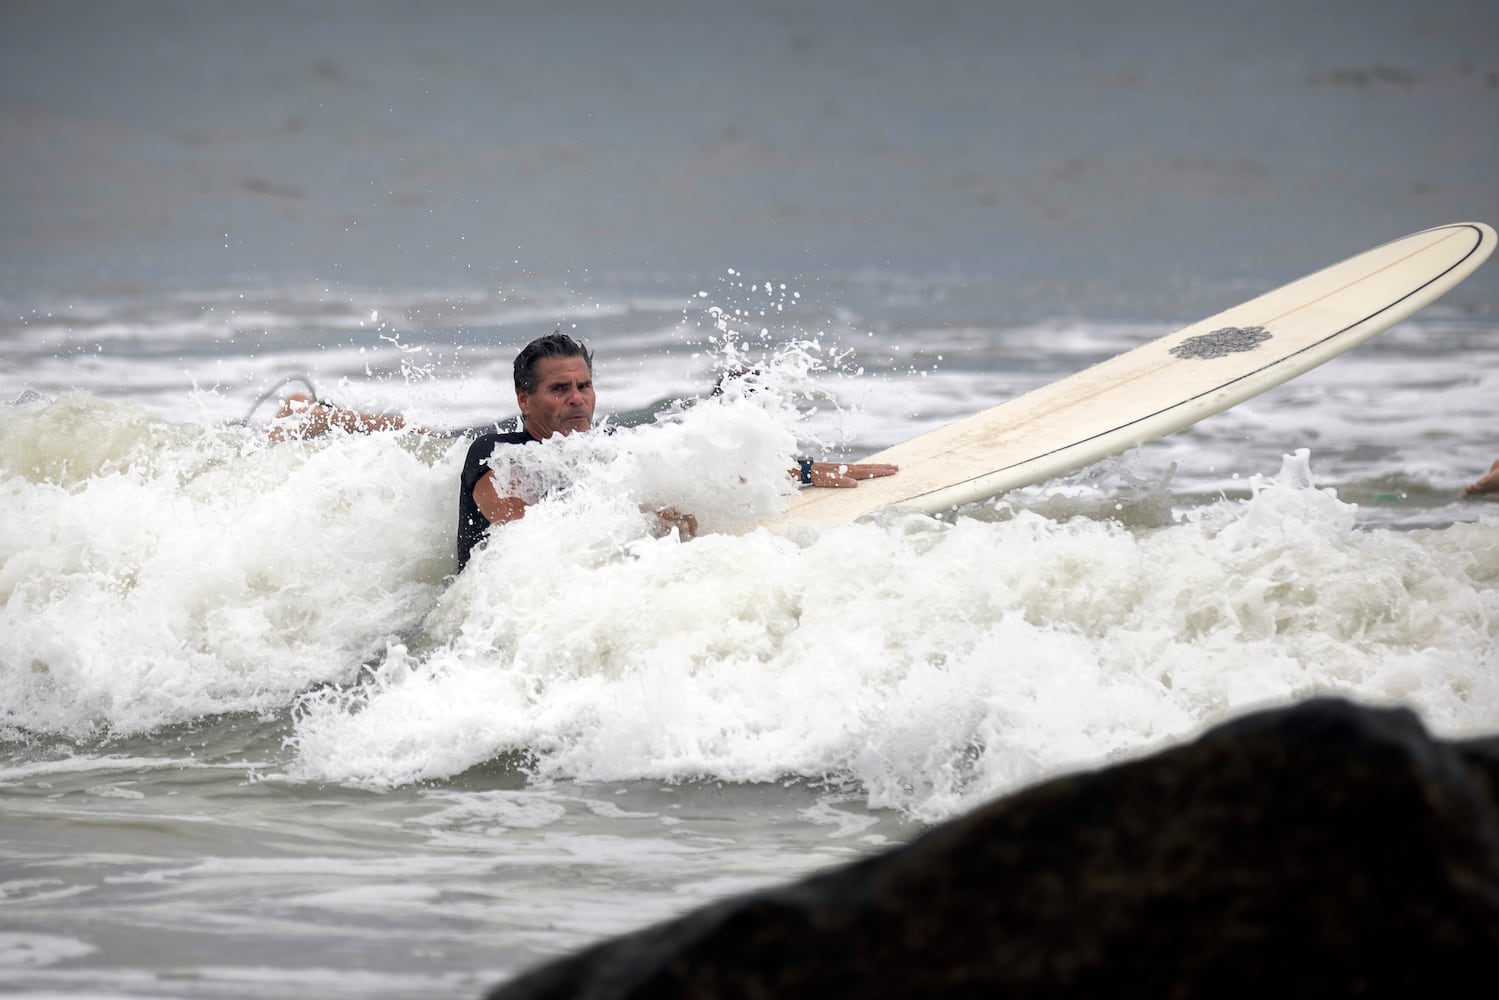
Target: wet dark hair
554,345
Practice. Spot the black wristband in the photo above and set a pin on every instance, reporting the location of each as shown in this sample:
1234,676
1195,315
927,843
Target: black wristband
806,464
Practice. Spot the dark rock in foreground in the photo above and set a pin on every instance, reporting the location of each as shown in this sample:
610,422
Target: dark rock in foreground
1324,850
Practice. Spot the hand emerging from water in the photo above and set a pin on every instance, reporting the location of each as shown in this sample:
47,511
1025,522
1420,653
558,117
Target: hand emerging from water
668,518
838,475
1487,483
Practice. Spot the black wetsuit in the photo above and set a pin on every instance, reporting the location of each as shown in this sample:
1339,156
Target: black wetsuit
471,521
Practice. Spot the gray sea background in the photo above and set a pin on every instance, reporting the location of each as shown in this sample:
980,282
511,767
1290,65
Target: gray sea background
256,740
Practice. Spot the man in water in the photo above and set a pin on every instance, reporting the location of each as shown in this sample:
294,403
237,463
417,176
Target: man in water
554,390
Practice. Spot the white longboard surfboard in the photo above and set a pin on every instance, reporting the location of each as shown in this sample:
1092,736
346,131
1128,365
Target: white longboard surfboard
1163,386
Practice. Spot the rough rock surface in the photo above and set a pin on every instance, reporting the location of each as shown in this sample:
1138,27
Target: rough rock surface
1320,850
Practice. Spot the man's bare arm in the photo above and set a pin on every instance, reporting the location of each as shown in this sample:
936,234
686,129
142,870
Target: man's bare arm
497,507
1487,483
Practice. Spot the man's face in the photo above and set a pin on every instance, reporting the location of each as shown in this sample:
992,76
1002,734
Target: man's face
563,400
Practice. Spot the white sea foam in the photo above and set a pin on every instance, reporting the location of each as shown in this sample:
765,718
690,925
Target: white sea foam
938,665
20,951
157,573
200,203
154,573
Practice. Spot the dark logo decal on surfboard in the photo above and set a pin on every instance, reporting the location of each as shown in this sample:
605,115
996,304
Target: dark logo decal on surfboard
1222,342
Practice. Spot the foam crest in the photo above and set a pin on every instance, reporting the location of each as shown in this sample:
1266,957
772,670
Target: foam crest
154,573
935,665
724,460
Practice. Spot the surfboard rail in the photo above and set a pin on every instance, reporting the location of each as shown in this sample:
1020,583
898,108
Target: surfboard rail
1162,386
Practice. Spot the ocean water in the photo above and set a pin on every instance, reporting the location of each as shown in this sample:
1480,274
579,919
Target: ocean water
255,738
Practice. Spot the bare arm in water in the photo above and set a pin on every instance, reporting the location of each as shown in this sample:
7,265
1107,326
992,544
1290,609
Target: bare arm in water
1487,483
301,417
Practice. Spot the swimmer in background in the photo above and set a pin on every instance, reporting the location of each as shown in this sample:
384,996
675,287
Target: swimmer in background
300,417
1487,483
